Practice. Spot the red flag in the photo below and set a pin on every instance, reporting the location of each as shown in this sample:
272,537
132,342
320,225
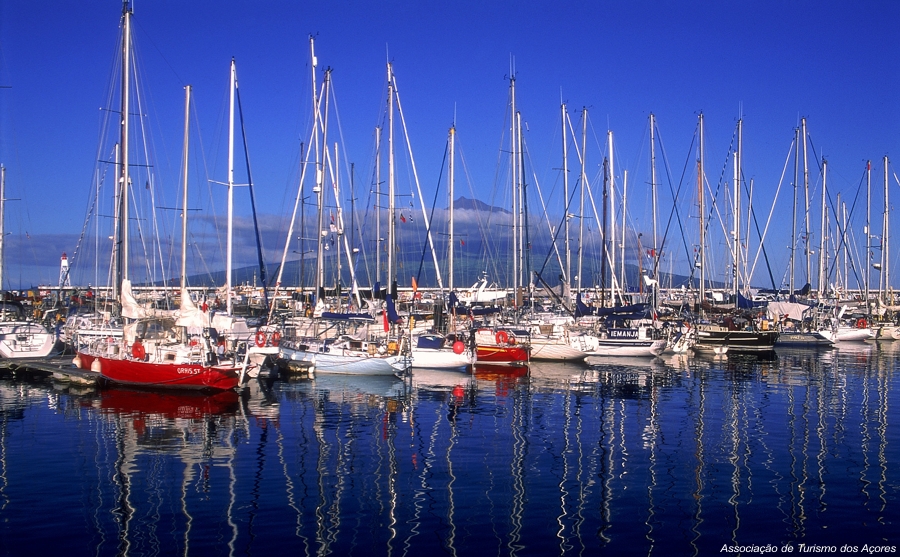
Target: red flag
402,218
462,242
387,326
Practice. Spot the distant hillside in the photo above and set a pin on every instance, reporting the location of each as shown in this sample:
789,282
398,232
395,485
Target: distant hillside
476,205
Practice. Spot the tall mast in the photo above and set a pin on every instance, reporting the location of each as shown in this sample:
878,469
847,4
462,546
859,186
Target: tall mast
868,261
565,173
451,178
612,214
794,211
392,220
523,209
184,184
514,174
736,230
806,194
321,163
701,196
885,257
823,287
653,189
121,260
230,234
583,181
622,243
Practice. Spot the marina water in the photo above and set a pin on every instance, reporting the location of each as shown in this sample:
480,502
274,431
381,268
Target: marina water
672,456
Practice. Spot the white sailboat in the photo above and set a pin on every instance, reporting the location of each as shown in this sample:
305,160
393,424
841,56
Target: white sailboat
20,337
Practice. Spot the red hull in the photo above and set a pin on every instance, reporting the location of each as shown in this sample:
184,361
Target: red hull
501,354
168,376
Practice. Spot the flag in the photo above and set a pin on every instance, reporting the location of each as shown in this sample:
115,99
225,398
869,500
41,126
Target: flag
402,218
387,326
462,242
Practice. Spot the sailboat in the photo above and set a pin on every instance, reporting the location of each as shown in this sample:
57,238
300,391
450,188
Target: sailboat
20,337
622,330
336,341
732,333
158,349
432,350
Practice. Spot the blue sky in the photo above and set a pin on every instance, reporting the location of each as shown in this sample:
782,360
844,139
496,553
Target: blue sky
835,63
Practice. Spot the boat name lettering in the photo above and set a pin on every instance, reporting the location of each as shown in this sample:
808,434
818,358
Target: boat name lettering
186,371
623,333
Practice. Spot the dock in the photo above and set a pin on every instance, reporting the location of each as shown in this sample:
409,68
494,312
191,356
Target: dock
59,368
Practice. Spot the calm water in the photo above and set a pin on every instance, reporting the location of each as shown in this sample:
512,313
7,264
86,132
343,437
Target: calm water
672,457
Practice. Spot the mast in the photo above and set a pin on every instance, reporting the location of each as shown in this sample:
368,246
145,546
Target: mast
622,243
653,191
885,258
806,194
581,208
392,220
230,234
794,211
184,182
868,262
514,175
736,230
701,197
120,261
823,287
565,173
451,178
612,216
321,163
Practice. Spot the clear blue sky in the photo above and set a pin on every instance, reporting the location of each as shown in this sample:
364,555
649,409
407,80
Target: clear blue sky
835,63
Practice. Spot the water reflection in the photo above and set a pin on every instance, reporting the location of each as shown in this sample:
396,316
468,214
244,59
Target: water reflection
680,453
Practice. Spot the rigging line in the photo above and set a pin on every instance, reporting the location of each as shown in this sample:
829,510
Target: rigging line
765,233
674,212
842,232
259,248
550,252
431,216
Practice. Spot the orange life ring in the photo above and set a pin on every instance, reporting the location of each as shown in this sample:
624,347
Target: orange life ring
260,338
276,338
137,351
501,337
861,323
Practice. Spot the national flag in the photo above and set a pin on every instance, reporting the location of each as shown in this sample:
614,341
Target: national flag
462,242
402,218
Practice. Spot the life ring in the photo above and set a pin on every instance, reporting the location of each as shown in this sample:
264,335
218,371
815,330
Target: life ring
276,338
861,323
501,337
260,338
137,351
512,339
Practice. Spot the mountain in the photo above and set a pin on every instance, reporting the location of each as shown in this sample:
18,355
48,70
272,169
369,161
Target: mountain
464,203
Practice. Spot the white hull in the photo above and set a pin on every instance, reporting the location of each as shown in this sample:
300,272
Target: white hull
853,334
555,350
344,363
440,358
25,340
625,342
639,349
